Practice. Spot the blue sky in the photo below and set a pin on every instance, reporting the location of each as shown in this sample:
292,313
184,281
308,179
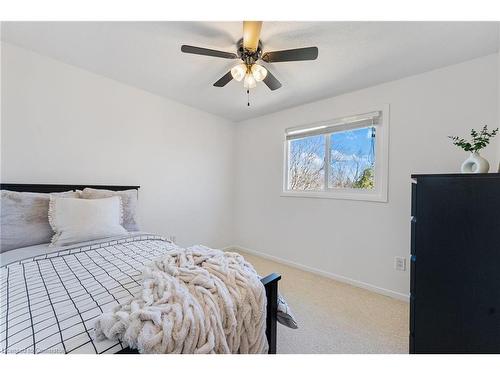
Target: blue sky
352,142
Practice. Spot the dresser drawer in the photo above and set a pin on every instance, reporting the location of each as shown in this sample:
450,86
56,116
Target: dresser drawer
413,235
413,199
413,219
412,324
412,313
413,269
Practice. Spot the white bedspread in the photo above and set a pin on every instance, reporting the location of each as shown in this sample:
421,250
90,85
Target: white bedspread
50,300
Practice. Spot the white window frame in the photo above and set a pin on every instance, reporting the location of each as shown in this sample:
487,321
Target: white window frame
379,193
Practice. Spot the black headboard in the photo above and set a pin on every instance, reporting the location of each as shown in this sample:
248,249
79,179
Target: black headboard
47,188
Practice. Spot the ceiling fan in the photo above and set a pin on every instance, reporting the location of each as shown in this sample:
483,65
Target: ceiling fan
249,50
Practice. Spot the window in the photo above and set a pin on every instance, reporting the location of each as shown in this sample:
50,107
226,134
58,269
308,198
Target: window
344,158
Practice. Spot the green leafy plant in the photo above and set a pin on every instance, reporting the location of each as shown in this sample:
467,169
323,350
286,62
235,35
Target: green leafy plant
479,139
366,180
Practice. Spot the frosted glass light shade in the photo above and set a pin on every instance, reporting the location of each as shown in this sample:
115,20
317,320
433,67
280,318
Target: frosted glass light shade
238,72
259,72
249,82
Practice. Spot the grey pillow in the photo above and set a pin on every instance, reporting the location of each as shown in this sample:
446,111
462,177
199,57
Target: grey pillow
129,201
24,218
285,315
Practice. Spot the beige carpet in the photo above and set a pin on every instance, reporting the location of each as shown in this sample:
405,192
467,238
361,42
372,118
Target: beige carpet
334,317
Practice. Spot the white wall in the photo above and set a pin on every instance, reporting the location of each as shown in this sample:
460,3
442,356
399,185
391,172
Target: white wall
61,124
354,239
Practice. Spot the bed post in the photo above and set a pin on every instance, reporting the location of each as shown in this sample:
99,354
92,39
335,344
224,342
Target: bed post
271,284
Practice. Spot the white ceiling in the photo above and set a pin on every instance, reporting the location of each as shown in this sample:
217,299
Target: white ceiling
352,55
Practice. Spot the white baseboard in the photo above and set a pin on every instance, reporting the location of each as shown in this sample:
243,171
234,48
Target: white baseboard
343,279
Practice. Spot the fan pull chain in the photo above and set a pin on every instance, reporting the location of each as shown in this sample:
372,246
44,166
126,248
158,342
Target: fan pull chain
248,98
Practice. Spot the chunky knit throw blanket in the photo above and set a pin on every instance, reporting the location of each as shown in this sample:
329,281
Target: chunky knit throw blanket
195,300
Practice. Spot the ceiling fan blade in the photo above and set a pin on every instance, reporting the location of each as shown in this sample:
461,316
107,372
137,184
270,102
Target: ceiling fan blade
208,52
251,34
297,54
224,80
271,81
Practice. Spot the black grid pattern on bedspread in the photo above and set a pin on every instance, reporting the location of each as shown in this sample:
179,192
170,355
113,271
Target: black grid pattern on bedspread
49,303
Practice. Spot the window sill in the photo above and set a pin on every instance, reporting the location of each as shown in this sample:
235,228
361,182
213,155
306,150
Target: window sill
346,195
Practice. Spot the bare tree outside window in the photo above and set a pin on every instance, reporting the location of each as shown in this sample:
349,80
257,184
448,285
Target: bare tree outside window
306,163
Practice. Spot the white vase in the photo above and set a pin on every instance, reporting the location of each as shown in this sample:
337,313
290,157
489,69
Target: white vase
475,164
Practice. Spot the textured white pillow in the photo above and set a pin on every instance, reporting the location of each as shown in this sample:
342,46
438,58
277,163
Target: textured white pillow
77,220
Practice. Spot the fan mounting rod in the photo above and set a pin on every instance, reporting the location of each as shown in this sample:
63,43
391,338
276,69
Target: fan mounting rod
251,34
249,57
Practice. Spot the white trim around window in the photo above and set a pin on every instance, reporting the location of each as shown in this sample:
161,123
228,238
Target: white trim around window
381,174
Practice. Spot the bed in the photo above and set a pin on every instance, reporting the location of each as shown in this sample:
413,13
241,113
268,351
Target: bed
50,297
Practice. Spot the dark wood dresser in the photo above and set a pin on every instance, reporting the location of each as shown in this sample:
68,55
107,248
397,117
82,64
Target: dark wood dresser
455,264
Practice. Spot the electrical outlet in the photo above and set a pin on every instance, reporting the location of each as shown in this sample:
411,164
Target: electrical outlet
400,263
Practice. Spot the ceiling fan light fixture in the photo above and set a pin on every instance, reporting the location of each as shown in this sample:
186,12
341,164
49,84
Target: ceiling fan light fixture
258,72
239,71
249,82
249,50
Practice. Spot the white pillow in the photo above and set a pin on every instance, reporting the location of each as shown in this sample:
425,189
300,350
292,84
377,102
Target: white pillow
129,204
77,220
